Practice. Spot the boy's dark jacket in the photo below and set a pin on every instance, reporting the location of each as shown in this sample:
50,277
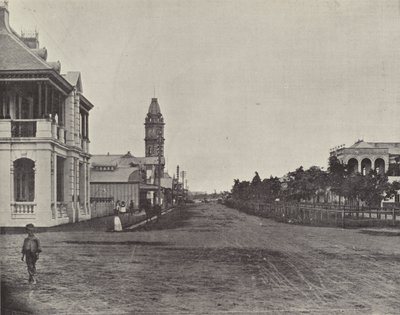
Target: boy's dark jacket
31,245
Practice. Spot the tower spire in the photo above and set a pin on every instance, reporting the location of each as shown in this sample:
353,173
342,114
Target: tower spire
154,128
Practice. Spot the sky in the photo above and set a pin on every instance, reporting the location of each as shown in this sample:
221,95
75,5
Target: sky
243,86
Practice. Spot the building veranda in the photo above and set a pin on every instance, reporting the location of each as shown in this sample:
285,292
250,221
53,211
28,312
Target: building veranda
44,135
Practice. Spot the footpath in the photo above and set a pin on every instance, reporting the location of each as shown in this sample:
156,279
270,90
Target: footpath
128,221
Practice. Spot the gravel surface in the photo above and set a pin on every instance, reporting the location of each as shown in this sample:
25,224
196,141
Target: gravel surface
205,259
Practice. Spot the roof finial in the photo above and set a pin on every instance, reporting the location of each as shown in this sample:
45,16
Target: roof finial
4,4
154,91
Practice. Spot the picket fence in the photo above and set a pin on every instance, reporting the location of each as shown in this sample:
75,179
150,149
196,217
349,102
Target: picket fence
321,214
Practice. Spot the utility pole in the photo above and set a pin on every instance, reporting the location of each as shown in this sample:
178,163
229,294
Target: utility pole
159,169
183,183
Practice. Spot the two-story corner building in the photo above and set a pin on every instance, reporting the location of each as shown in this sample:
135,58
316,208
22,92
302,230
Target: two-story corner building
44,139
382,157
363,157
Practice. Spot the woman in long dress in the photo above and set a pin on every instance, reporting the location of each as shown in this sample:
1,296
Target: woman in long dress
122,208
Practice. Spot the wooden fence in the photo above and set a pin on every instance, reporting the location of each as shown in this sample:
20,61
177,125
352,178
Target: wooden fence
321,214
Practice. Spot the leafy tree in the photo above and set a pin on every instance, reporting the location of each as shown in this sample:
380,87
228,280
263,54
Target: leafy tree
337,173
394,170
270,188
235,188
370,188
374,189
296,184
241,190
393,189
276,187
352,187
315,183
256,180
256,186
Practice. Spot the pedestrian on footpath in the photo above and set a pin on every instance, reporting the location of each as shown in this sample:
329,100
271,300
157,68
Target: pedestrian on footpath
116,210
122,208
117,224
30,250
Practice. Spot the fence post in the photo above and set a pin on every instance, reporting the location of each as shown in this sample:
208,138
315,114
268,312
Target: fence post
343,218
394,217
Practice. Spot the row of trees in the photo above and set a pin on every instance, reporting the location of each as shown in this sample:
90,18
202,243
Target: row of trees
317,185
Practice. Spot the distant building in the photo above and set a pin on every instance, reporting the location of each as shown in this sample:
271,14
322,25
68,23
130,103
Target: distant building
197,193
44,138
120,177
126,177
364,156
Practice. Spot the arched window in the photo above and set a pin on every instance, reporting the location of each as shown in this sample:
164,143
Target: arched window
352,166
380,166
24,180
366,166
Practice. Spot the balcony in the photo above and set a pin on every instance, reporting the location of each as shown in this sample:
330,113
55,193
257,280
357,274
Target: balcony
23,209
23,128
31,128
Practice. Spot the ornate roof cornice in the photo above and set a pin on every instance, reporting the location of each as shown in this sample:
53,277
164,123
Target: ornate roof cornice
36,75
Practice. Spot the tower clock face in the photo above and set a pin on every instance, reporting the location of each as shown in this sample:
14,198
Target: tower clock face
152,133
155,133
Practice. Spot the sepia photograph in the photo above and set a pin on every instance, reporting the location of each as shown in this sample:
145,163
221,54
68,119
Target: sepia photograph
199,157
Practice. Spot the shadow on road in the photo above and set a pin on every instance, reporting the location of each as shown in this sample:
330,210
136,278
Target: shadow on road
178,218
116,243
381,233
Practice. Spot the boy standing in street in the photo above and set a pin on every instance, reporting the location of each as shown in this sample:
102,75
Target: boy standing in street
31,250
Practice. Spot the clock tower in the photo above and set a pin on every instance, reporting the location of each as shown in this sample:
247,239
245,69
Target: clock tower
154,129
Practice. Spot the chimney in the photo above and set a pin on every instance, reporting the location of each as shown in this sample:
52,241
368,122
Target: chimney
30,39
4,16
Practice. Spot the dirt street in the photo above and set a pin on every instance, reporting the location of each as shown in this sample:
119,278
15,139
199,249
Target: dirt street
206,259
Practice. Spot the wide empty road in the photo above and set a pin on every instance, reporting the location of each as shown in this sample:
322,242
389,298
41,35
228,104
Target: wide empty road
207,259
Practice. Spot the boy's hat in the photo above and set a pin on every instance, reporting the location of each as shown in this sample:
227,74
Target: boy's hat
29,226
